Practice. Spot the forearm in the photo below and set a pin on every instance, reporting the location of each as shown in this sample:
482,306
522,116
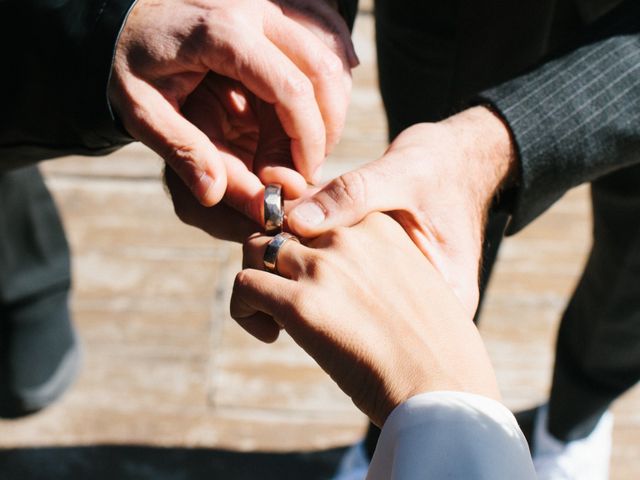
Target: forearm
575,118
54,94
451,435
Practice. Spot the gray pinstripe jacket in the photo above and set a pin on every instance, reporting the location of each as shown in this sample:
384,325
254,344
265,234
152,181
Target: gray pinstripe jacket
576,117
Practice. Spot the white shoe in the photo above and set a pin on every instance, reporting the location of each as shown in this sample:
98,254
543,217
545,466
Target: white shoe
584,459
353,465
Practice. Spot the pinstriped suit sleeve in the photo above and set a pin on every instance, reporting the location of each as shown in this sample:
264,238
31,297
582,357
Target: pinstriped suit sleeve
575,118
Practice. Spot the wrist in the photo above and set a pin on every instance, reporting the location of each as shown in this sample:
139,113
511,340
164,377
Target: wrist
488,151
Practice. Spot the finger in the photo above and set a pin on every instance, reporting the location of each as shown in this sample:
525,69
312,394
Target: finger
153,120
261,326
323,67
256,292
326,23
293,185
273,163
209,109
291,260
273,77
220,221
348,199
220,109
245,192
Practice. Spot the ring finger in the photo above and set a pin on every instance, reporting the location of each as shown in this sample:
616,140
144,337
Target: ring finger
290,258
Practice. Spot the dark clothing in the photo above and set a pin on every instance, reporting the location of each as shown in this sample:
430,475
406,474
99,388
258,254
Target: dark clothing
38,351
56,57
598,347
575,118
34,255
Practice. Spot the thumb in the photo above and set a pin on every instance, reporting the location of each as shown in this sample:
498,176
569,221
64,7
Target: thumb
157,123
345,201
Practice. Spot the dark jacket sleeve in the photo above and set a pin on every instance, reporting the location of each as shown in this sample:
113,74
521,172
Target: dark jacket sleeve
577,117
348,10
57,57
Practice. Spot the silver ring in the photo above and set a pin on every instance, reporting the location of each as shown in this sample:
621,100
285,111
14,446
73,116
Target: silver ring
270,258
273,209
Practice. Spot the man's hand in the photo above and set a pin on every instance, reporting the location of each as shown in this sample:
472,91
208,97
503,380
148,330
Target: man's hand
437,180
300,68
371,310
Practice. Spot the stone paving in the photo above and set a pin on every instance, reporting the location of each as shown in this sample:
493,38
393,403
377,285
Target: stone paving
165,365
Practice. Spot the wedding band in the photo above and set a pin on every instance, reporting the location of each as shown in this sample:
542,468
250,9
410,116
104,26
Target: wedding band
270,258
273,209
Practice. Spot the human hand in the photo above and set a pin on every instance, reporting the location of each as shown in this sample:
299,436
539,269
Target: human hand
220,221
255,148
371,310
168,47
437,180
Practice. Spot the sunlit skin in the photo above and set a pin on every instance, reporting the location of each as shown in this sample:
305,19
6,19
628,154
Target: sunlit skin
287,61
370,308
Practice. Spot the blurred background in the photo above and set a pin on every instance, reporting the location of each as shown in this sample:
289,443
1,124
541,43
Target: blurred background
172,388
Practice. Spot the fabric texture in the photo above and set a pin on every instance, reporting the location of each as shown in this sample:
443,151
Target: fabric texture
38,349
34,255
53,89
576,117
598,346
451,435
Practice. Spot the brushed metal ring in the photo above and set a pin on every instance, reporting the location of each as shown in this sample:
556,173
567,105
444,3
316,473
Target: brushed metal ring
273,209
270,258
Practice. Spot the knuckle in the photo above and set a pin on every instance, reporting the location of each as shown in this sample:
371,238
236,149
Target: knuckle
339,236
329,67
202,32
315,265
183,159
297,87
240,283
180,156
350,189
231,17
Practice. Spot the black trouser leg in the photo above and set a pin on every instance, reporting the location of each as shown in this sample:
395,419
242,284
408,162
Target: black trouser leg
38,354
598,346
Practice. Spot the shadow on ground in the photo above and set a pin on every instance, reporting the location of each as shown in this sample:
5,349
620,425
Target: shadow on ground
146,463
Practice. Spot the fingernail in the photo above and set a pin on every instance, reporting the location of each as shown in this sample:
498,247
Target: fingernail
317,175
309,213
203,186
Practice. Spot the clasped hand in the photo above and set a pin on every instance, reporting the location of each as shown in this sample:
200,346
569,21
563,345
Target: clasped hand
374,313
234,93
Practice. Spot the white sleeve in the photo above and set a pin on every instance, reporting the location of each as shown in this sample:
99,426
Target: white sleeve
451,435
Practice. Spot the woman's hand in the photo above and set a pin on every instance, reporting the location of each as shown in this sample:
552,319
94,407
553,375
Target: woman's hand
370,309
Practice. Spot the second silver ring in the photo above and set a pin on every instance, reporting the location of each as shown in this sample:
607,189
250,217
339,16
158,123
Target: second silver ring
270,258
